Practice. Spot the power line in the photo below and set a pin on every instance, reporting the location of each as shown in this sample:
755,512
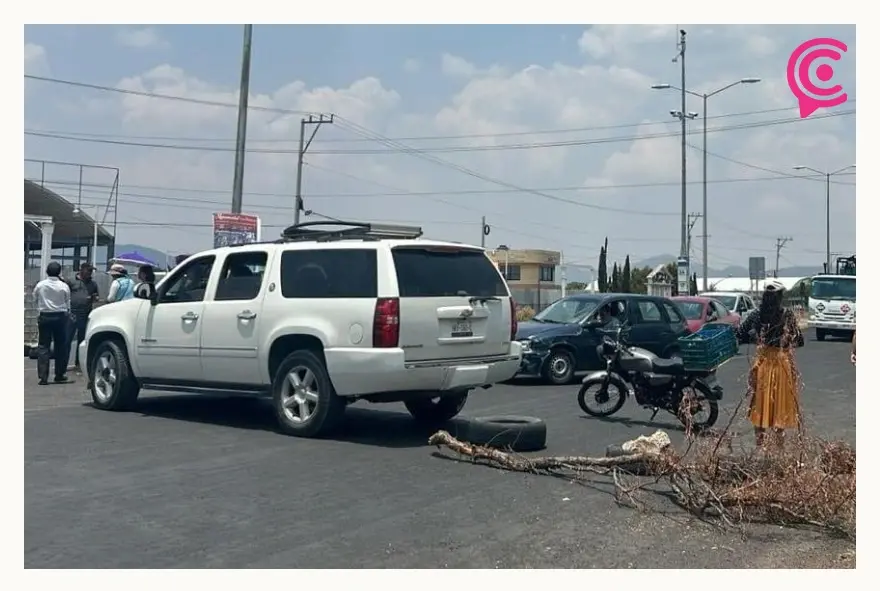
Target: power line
437,150
279,110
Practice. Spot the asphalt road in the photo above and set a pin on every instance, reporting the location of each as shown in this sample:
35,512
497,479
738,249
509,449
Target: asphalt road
190,482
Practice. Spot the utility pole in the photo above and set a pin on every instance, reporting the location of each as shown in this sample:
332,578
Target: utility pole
483,234
303,147
684,240
691,222
562,272
241,133
780,244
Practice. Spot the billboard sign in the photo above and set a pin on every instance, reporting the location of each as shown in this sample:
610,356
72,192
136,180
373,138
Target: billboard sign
235,228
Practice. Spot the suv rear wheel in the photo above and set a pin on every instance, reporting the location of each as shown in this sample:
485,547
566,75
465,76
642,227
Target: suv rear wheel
433,411
305,403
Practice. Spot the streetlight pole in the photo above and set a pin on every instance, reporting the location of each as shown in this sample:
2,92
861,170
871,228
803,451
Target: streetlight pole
78,210
241,132
827,176
705,96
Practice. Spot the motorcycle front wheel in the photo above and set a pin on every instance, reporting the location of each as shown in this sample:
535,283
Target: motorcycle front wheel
597,400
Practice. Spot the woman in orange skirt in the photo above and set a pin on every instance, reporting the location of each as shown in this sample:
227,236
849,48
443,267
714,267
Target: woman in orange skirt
773,378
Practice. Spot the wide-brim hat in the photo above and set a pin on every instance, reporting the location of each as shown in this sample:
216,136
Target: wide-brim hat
117,270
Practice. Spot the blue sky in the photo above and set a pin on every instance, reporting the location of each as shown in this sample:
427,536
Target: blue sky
491,81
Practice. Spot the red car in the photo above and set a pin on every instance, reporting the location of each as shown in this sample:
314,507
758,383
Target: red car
698,311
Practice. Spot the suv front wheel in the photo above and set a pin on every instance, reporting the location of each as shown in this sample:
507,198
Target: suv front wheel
305,403
433,411
111,382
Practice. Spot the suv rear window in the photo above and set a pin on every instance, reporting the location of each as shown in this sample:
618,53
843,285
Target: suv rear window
336,273
440,272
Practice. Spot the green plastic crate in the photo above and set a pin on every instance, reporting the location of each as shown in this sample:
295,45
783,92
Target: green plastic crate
709,347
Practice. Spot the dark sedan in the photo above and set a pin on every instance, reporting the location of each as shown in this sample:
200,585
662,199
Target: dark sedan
562,339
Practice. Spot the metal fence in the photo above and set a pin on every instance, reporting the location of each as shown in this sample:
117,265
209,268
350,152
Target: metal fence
531,298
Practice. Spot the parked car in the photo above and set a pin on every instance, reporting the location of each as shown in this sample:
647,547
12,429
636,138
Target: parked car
562,339
700,310
740,303
315,321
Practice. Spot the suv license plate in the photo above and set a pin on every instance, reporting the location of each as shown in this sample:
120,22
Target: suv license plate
462,328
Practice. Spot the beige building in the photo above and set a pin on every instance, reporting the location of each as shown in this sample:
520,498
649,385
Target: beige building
533,275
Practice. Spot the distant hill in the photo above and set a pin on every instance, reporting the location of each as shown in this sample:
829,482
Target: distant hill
582,274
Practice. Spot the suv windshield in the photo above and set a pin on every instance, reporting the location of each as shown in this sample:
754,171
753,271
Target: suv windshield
727,301
834,288
566,311
433,272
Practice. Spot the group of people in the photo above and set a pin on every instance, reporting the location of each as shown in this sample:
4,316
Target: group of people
64,306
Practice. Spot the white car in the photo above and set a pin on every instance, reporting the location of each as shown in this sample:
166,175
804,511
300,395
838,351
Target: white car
735,301
317,320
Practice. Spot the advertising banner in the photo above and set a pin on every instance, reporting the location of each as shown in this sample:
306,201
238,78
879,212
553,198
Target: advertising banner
235,228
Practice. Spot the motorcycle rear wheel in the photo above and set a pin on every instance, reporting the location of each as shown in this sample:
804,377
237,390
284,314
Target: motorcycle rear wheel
583,399
710,419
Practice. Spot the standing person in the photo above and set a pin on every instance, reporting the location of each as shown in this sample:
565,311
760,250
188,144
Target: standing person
122,287
146,287
53,303
773,378
83,295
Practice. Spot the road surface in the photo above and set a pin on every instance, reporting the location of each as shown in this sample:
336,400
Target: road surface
190,482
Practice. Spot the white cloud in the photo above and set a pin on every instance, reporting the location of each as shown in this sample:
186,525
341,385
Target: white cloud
140,38
412,66
606,107
35,61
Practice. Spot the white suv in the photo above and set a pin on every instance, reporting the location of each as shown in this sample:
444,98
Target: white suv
317,320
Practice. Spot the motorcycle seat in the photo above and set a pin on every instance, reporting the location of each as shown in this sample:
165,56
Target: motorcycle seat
668,366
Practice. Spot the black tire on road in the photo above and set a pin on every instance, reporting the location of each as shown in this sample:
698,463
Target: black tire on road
820,334
558,370
325,408
703,398
517,433
112,384
618,384
434,411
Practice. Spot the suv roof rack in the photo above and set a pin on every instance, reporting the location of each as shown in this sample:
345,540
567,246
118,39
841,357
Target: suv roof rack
326,231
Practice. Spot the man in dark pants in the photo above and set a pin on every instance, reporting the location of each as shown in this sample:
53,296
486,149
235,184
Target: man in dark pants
53,303
83,295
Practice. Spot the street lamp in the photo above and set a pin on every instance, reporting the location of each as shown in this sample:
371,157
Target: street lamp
78,211
705,96
827,176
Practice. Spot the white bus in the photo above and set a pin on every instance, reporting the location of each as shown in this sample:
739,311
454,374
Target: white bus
833,305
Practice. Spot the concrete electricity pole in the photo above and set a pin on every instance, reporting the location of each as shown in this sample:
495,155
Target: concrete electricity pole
691,222
303,147
241,133
780,244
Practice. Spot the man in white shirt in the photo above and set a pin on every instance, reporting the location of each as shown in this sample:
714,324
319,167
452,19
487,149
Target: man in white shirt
53,302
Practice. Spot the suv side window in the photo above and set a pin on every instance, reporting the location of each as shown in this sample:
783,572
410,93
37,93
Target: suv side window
189,284
330,273
649,312
241,276
675,316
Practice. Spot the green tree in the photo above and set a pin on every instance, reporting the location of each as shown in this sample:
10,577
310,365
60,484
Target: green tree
693,284
575,286
615,279
626,277
603,268
639,280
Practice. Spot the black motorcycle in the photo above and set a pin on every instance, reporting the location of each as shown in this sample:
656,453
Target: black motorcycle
655,382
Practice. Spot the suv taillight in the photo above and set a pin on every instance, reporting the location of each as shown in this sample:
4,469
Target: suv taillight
513,323
386,323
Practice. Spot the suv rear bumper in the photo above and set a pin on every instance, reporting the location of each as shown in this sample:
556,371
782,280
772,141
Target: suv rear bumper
357,371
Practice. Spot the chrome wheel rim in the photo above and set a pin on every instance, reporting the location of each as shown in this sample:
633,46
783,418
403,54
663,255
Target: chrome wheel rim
299,395
559,366
612,392
105,376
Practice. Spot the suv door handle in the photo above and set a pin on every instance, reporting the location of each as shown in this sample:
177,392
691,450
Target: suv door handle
190,316
247,315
